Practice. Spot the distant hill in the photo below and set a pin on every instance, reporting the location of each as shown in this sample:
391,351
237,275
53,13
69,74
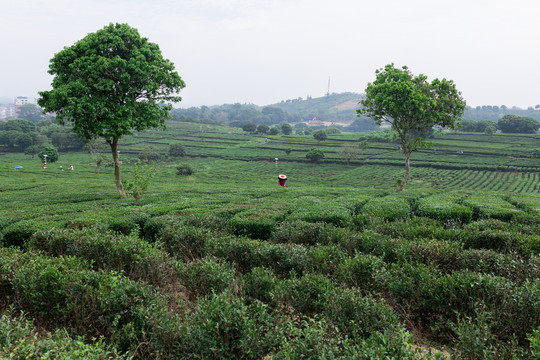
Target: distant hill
323,105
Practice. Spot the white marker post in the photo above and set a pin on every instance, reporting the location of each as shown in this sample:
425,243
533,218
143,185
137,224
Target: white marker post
276,162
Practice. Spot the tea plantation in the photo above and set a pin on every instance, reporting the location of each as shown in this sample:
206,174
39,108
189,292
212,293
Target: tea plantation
226,264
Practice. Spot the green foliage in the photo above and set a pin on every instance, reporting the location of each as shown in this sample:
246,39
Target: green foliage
20,338
206,275
31,150
320,135
286,129
185,169
177,150
389,208
516,124
150,154
315,155
51,152
444,208
126,81
142,178
412,106
249,127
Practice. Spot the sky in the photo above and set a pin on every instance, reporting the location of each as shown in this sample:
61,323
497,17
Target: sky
264,51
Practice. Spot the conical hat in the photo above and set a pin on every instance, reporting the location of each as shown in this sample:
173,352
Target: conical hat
282,177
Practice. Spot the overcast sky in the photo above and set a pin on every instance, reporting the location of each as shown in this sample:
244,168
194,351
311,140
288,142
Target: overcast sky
265,51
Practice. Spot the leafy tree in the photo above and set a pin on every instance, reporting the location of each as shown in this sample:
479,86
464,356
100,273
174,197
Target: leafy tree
22,141
51,152
315,155
109,84
31,150
21,125
263,128
286,129
177,150
274,130
320,135
30,112
490,130
511,123
482,125
412,106
249,127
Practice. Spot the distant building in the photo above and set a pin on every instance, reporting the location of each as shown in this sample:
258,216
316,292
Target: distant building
7,111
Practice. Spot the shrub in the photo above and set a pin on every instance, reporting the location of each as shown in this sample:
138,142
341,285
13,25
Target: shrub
51,152
442,207
315,155
357,316
206,275
306,233
223,327
128,254
259,284
186,242
362,272
21,339
388,207
307,294
18,233
257,223
185,169
177,150
322,212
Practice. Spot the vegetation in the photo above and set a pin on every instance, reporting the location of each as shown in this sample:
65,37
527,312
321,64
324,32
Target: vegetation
412,105
110,84
224,263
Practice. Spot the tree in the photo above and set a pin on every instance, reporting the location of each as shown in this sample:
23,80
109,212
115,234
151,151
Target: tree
286,129
315,155
51,152
320,135
109,84
412,106
30,112
263,128
249,127
274,130
31,150
516,124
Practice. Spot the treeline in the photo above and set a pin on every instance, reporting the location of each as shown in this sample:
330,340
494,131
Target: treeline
510,123
494,113
24,135
273,116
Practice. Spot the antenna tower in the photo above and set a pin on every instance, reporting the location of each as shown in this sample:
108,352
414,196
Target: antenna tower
328,92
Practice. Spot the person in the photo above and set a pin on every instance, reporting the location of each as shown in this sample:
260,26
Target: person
70,167
43,166
281,180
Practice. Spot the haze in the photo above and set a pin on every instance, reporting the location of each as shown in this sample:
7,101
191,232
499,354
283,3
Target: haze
262,52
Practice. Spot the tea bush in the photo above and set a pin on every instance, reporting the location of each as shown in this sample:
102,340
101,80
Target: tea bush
358,316
20,339
129,254
330,213
443,208
390,208
206,275
223,327
18,233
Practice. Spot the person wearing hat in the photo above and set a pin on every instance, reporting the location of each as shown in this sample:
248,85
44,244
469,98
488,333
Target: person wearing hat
281,180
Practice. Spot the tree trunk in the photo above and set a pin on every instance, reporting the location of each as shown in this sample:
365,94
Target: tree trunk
407,172
119,185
